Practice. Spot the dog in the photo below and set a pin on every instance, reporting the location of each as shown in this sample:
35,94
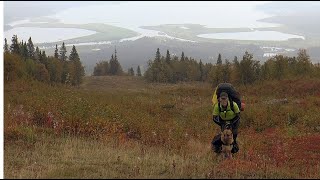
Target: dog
227,140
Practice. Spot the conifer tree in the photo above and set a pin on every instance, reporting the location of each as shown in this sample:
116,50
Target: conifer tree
5,46
77,68
201,71
115,67
248,69
37,54
14,47
303,62
56,54
131,71
43,58
219,60
182,56
138,71
158,55
23,50
63,53
74,54
31,50
168,58
226,71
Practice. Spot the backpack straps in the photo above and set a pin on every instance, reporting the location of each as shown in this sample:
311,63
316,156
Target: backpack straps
231,104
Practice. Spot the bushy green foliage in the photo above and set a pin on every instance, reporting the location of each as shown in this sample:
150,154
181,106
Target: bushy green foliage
23,61
247,71
104,68
14,67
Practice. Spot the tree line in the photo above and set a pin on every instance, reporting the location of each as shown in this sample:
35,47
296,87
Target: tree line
113,67
247,70
23,59
168,69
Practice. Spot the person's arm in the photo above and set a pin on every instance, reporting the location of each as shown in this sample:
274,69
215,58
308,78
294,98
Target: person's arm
237,112
216,119
236,108
236,119
215,114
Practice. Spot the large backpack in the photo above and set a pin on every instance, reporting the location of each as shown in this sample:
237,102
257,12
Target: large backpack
234,96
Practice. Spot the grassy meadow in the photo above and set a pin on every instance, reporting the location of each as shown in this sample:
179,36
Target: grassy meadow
123,127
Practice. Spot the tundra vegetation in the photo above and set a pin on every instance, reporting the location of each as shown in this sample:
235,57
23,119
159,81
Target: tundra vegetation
59,123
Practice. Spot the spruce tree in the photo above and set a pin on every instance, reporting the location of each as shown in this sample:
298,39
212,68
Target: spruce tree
112,66
37,54
248,68
201,70
30,49
219,60
303,62
5,47
226,71
78,69
115,67
182,56
73,54
63,53
14,47
168,58
235,59
43,58
25,47
23,50
158,55
131,71
56,54
138,71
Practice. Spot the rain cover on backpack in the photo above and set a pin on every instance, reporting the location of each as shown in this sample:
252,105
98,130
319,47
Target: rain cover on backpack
232,93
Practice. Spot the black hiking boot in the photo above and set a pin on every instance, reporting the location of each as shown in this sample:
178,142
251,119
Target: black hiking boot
235,148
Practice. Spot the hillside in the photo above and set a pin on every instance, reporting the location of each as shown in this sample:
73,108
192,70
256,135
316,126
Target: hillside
123,127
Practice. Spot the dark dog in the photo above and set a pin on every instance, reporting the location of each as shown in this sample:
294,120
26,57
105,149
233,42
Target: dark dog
227,140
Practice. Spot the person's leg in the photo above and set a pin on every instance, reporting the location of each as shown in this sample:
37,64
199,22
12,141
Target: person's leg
235,126
235,134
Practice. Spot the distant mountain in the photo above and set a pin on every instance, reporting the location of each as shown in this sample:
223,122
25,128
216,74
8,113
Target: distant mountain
281,8
134,53
298,16
306,23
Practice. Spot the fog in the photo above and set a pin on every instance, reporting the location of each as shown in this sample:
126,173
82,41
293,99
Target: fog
133,14
222,14
289,19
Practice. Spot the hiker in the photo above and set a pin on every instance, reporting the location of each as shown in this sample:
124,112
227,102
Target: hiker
224,111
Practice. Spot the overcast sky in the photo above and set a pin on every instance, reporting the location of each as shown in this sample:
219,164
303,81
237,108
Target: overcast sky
28,8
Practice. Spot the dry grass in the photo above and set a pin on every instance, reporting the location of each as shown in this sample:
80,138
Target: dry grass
81,158
121,127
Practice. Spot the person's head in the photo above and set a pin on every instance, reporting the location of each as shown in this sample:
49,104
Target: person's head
224,98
